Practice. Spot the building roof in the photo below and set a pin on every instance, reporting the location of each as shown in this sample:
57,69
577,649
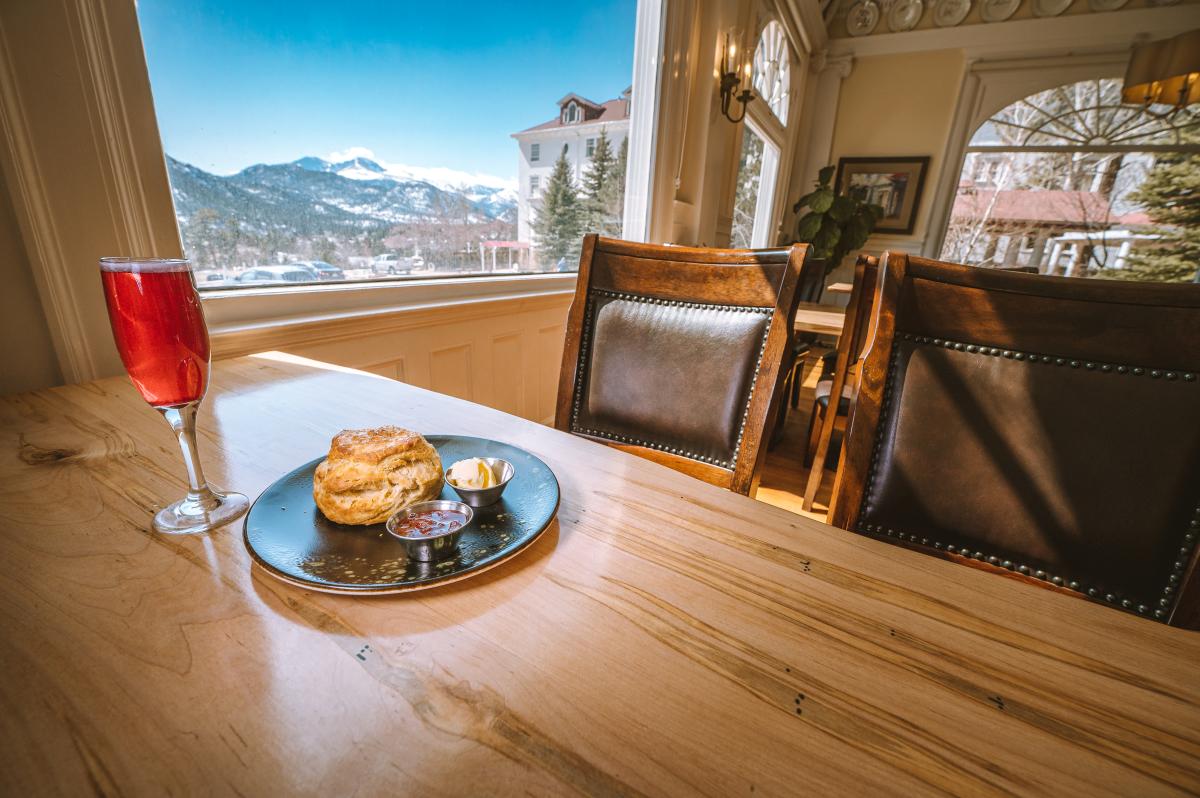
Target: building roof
1050,208
616,110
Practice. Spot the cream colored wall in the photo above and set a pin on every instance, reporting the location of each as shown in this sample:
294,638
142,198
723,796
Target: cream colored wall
85,170
504,353
900,105
27,361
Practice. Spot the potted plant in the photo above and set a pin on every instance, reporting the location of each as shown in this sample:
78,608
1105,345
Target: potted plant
834,225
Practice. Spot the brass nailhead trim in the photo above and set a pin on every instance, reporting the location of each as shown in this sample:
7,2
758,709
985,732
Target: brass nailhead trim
1167,596
584,350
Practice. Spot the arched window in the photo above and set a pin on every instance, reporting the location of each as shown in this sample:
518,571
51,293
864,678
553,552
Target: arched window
571,115
755,218
1072,182
773,70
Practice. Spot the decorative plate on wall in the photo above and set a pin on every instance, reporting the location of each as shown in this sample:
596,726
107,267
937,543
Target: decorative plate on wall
999,10
905,15
862,18
948,13
1106,5
1050,8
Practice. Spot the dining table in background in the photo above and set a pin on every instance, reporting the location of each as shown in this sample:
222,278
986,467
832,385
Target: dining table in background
814,317
663,637
839,288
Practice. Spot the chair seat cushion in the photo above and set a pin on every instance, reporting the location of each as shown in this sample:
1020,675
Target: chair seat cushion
825,387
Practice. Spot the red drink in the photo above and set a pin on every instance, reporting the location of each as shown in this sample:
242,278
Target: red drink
159,328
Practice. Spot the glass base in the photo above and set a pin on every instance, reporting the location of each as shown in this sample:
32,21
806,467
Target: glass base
200,514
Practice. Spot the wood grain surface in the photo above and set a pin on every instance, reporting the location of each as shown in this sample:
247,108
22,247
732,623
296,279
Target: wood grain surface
665,637
823,319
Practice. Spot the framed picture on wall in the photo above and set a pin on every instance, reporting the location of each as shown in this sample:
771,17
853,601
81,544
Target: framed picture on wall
894,183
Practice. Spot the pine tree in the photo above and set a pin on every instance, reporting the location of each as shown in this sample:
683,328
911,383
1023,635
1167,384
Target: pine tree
558,225
613,198
1171,196
596,182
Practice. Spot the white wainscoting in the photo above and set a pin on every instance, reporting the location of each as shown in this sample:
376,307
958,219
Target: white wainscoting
504,353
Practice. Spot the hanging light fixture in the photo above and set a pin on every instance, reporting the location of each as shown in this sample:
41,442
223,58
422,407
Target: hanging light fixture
732,72
1164,72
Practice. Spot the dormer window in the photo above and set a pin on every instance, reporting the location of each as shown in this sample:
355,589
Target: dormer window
571,113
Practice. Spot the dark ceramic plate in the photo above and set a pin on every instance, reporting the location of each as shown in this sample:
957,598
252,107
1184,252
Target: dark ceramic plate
289,537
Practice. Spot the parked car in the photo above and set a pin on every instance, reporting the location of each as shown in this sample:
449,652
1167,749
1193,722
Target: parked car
391,263
321,269
263,275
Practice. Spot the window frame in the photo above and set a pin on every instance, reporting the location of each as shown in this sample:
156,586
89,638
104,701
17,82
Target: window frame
535,151
114,137
777,139
987,87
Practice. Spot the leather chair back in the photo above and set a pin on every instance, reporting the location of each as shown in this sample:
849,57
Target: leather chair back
674,353
1041,426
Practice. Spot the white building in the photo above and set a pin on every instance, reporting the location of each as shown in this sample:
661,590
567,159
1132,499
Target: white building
576,128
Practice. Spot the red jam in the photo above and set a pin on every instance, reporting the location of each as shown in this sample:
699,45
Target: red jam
430,524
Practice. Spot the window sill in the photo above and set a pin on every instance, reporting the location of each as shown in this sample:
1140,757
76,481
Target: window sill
241,321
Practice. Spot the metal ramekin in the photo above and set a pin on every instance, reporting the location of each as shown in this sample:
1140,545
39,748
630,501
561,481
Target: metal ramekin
482,497
431,547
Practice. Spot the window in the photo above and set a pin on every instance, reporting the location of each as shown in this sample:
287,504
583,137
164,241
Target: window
591,147
757,167
1074,183
268,156
773,70
762,141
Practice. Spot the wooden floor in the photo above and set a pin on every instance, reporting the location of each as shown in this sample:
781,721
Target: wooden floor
784,475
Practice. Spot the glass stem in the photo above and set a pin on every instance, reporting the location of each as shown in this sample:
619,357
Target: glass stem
183,421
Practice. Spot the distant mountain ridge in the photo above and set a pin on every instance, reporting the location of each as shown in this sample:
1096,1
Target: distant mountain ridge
313,197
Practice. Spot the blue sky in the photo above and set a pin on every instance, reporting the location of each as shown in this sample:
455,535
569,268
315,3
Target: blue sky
423,84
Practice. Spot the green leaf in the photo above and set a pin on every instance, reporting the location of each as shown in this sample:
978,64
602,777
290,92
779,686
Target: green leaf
808,226
800,203
843,208
820,201
824,176
876,213
856,232
827,238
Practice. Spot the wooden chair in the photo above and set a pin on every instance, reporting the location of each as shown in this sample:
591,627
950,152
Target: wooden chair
822,422
1044,427
674,353
812,286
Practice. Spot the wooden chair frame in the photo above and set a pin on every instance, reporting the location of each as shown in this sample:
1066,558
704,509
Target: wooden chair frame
689,274
858,312
1119,340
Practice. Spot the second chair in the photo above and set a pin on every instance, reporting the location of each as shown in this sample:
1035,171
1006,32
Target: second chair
674,353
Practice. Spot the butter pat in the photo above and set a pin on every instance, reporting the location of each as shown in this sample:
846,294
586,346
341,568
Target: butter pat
472,473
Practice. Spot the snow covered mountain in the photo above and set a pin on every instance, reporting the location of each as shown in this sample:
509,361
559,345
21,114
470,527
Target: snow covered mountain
361,165
312,196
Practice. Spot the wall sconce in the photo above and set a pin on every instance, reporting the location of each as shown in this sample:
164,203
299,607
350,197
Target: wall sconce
732,73
1165,72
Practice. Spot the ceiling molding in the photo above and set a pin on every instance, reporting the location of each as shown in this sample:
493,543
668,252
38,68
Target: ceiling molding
1078,33
804,16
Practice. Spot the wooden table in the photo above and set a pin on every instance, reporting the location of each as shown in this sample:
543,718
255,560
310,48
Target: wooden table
664,637
823,319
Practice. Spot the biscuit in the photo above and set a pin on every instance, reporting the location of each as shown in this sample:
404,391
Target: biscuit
371,473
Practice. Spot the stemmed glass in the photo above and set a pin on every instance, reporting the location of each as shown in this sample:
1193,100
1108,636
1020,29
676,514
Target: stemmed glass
160,332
